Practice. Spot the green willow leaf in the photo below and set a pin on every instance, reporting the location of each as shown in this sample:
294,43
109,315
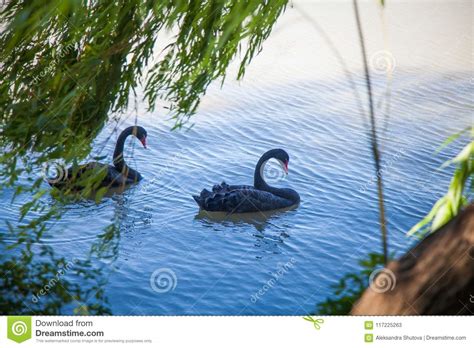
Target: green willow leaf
448,206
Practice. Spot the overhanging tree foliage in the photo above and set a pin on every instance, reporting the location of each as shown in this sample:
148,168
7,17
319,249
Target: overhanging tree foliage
67,64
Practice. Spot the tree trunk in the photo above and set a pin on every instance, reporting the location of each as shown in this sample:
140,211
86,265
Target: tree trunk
434,277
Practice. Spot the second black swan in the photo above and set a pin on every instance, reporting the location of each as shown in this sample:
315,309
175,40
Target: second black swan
114,176
245,198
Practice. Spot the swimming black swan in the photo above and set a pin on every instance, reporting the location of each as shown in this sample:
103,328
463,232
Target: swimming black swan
244,198
117,175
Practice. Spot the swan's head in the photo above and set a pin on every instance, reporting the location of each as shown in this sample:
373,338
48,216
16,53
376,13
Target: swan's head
140,133
281,156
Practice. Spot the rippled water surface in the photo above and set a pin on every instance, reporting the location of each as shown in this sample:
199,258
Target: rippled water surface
296,96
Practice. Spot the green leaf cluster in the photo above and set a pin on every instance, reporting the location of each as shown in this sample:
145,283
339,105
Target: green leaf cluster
459,192
66,66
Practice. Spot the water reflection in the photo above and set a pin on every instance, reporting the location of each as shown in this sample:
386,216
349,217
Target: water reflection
269,233
258,220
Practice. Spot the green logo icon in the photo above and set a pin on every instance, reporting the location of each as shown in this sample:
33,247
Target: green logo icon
368,338
369,325
19,328
316,322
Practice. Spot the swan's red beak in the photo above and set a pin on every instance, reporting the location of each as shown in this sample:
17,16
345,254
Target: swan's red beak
143,141
285,167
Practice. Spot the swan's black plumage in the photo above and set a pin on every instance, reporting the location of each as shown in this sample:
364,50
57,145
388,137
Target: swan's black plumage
245,198
116,175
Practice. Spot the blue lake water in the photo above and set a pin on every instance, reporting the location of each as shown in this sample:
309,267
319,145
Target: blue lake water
217,266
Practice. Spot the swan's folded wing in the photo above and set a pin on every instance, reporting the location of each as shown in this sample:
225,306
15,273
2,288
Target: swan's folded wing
223,187
115,178
93,172
80,176
107,174
241,201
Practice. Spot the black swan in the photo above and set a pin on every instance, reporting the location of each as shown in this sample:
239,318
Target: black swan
113,176
244,198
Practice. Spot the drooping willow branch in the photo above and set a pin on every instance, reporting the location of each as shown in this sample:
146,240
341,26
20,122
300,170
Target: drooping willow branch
66,65
373,136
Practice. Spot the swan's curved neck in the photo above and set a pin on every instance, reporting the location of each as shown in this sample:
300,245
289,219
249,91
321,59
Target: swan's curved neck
260,184
119,161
